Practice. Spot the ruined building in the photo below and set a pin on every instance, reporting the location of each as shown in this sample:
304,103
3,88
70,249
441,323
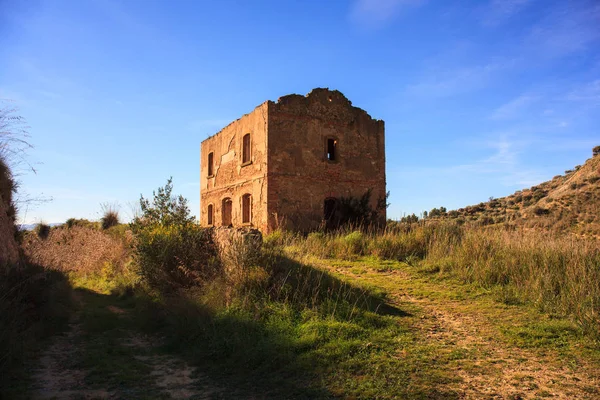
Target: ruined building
287,163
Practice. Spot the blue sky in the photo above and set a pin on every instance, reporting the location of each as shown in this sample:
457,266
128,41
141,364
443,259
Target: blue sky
480,98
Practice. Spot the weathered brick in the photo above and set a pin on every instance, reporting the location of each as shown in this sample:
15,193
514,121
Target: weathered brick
290,176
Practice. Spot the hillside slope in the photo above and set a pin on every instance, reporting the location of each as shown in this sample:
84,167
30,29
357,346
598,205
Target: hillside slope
569,202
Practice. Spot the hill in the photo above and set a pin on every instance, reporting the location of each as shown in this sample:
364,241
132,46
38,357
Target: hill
569,202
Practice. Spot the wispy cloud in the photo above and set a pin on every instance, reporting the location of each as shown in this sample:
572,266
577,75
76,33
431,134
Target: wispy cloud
588,93
372,14
568,29
514,108
450,82
498,11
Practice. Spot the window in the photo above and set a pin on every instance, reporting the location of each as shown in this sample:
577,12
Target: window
210,163
329,206
246,209
226,212
246,149
209,214
331,149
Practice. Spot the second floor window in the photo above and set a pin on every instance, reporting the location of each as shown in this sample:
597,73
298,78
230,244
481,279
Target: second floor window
210,164
331,149
246,149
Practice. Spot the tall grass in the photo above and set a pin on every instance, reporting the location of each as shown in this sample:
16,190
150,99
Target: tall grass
557,273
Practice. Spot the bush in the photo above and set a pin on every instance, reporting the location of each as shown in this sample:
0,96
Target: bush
82,222
355,243
42,230
110,216
539,211
171,257
171,251
596,151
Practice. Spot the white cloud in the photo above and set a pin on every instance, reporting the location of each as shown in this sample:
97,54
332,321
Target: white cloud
377,13
514,108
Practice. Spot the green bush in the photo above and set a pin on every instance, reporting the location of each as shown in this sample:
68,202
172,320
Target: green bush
171,251
355,242
170,257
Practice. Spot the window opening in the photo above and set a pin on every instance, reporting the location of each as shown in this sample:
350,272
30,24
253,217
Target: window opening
209,213
246,149
246,209
331,149
226,209
210,164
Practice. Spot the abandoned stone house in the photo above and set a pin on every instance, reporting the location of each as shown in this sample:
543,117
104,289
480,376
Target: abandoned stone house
287,163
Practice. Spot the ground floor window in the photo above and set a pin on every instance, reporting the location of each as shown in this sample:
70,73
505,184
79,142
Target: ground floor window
209,214
227,207
246,208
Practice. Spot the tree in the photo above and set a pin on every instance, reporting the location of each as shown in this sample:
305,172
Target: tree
164,209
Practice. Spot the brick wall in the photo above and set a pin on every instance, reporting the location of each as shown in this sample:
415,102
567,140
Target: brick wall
290,176
231,179
300,175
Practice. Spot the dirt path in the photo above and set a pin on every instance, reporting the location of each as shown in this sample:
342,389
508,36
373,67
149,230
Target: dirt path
101,357
496,351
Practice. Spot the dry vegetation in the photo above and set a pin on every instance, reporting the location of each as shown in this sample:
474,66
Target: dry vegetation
435,309
567,203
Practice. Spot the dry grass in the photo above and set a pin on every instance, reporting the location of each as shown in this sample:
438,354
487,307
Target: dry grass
77,249
557,273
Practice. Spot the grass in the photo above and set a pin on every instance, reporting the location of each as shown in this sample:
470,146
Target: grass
559,274
412,313
34,305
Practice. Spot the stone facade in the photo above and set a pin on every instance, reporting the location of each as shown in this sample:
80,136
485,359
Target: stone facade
304,151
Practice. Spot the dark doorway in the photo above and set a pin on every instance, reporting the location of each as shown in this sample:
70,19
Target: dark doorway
226,209
329,207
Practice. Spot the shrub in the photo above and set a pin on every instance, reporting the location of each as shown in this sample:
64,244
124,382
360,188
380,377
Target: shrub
110,216
357,211
596,151
171,251
42,230
539,211
355,242
82,222
175,256
409,219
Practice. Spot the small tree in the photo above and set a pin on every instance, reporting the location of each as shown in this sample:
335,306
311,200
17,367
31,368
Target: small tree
164,209
171,251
